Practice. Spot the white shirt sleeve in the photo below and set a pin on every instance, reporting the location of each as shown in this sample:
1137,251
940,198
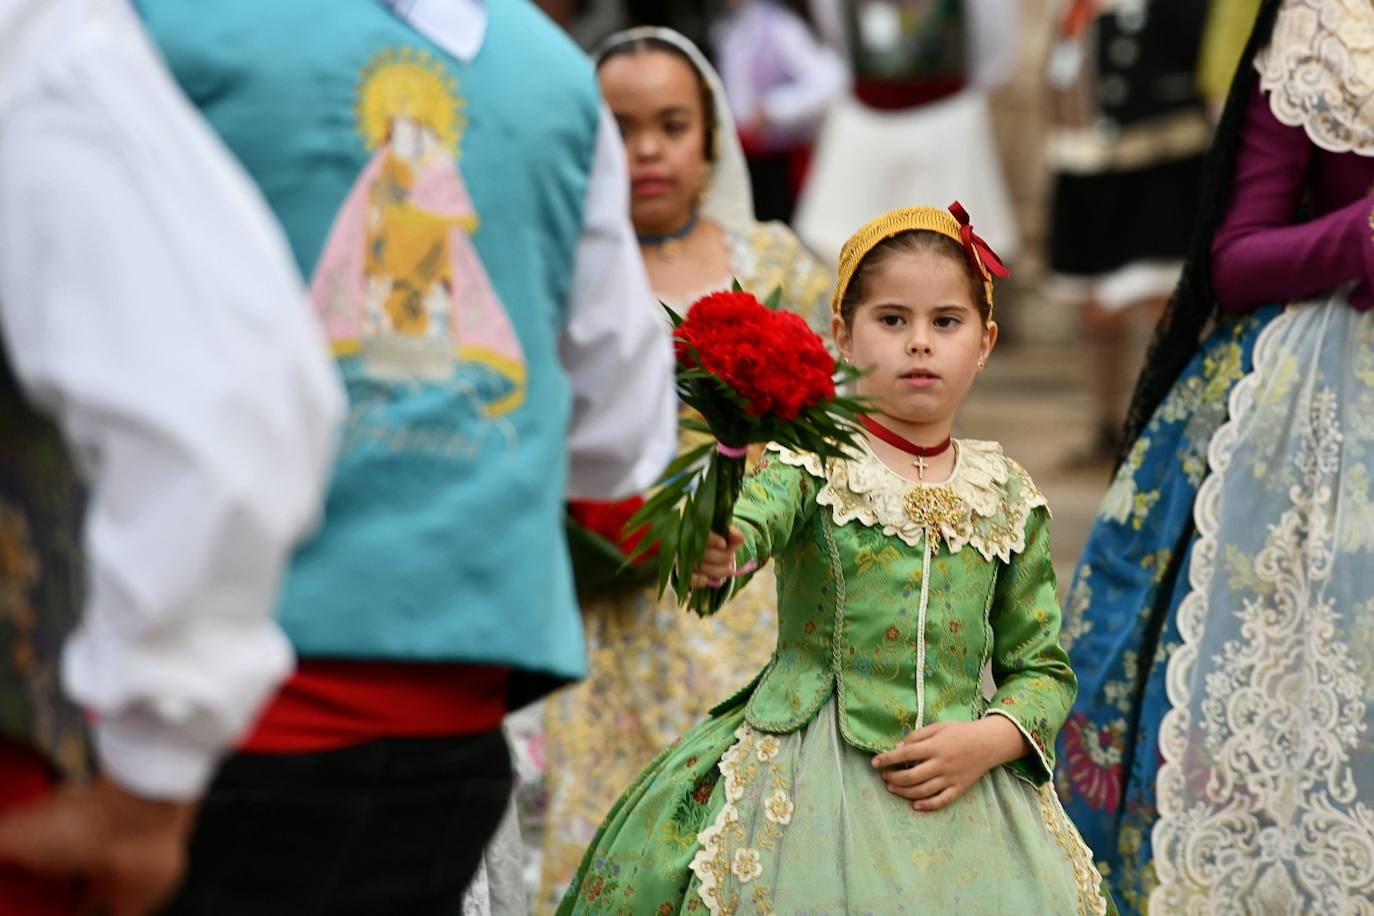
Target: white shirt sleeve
733,40
148,304
819,76
616,346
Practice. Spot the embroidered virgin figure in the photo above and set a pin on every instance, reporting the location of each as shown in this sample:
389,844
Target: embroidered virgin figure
399,284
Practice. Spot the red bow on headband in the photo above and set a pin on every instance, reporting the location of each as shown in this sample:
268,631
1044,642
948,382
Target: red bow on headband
983,257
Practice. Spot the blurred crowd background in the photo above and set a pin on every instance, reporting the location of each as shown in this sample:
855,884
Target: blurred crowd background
1095,88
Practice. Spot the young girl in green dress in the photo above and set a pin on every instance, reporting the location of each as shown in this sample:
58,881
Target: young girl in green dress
866,770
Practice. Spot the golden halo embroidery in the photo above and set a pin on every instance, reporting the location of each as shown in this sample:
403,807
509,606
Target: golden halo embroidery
413,85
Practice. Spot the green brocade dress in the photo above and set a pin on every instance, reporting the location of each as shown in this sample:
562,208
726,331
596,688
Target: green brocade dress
893,597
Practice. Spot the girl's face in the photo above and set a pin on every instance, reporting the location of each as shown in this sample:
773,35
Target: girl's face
656,100
918,335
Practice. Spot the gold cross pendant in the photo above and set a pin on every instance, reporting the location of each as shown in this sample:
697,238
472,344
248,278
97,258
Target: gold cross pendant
920,464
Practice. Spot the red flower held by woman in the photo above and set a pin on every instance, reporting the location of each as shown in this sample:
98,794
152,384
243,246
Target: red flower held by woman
608,519
769,358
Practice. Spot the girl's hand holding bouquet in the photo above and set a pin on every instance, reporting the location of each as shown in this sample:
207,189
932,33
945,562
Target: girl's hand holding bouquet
754,375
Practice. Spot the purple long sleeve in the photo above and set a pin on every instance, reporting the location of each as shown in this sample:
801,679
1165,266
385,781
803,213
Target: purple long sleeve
1260,255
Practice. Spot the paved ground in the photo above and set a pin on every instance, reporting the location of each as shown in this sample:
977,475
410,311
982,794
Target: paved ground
1031,399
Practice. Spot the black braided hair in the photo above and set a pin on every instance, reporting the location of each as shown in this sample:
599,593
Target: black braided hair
1193,305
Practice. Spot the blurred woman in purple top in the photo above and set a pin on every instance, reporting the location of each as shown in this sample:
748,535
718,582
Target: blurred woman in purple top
1221,756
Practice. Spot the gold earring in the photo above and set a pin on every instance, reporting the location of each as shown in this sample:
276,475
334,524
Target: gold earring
707,173
982,363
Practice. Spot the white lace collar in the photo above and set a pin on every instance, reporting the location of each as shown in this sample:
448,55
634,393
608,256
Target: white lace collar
1319,72
984,504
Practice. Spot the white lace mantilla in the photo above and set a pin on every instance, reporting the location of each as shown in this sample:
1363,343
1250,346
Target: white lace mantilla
1319,72
1266,786
983,505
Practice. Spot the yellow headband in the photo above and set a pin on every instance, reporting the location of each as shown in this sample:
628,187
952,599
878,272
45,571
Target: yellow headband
930,219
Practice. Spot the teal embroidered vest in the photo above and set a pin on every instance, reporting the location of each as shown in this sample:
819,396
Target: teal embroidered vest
41,584
435,207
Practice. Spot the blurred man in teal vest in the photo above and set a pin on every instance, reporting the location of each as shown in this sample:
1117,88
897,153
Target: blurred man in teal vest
457,197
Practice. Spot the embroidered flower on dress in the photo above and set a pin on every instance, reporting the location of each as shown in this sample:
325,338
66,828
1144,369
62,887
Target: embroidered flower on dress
778,808
747,866
1093,756
768,748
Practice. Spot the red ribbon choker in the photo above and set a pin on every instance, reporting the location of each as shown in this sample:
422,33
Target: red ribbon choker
906,445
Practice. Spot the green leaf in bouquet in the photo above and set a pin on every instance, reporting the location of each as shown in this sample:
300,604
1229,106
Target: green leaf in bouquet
704,501
669,494
683,555
653,534
692,375
735,286
686,460
657,517
667,554
692,424
719,387
660,518
697,520
773,300
673,316
661,510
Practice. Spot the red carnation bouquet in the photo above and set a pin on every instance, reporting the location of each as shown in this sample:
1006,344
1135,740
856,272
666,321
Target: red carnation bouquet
754,374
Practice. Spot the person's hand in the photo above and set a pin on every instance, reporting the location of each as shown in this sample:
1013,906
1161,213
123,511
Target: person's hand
718,564
128,851
936,764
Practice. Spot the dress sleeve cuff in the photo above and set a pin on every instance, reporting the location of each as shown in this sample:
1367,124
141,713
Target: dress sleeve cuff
1035,768
152,759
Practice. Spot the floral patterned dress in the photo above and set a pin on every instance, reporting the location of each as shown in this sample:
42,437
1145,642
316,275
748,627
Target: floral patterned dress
893,597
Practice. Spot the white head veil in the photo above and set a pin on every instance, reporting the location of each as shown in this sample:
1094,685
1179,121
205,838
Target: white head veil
729,201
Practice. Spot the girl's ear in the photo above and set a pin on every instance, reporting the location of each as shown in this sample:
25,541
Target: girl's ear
840,332
989,341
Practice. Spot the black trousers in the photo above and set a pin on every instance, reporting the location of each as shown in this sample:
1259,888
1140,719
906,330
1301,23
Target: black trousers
390,828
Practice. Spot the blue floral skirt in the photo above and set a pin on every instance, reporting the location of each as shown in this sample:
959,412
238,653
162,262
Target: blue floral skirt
1121,614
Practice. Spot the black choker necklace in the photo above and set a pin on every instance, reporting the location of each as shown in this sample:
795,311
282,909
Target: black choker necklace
670,243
